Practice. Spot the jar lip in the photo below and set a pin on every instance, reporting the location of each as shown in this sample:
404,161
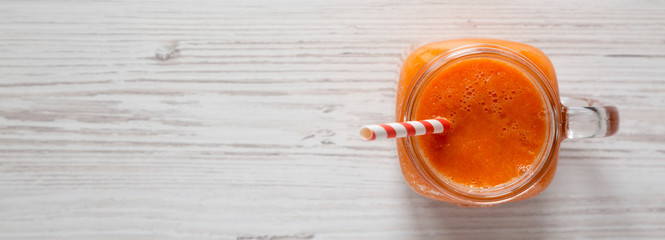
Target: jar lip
547,156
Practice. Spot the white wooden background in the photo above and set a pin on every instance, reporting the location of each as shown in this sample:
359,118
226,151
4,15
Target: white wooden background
238,120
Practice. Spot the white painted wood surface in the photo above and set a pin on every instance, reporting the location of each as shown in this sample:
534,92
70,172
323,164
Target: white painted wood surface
238,120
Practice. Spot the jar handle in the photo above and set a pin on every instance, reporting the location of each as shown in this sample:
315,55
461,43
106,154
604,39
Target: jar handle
588,118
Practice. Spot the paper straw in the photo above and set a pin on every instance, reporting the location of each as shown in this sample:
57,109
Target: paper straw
404,129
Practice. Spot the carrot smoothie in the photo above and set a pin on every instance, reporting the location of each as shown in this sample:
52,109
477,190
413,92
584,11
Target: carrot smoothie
501,145
498,118
479,122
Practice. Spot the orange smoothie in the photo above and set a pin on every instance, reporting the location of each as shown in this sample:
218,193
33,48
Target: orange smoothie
499,122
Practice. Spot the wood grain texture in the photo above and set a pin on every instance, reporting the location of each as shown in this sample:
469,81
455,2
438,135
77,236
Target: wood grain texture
238,119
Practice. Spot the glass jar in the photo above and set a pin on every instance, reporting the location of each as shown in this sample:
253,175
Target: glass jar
580,119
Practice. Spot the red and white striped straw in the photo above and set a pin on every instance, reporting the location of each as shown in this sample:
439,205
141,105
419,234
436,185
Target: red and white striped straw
404,129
